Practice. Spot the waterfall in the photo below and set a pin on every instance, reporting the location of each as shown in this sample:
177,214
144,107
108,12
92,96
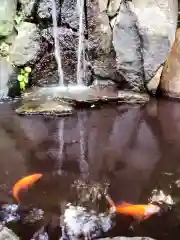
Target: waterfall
57,51
80,52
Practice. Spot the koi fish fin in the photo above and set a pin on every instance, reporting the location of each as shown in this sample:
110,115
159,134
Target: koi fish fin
125,204
110,201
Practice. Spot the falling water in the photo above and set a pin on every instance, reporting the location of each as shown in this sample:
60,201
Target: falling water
83,163
56,44
80,53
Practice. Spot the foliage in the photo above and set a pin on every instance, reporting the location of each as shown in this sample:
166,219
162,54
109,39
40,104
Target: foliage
23,77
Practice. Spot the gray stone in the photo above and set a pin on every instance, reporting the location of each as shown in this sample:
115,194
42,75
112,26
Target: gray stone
27,6
69,13
45,9
7,234
46,68
127,46
103,4
157,22
27,45
142,36
154,82
7,14
113,7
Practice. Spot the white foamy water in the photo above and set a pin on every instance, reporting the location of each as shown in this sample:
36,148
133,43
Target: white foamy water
80,52
57,50
5,72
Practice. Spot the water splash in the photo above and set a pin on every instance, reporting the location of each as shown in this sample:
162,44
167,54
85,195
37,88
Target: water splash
5,72
57,51
81,48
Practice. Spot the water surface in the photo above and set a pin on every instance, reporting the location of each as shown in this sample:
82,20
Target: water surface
133,148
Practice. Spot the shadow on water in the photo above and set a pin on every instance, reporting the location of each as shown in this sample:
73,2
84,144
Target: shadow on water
135,149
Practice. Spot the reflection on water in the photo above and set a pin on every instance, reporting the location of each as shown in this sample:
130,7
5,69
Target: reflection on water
133,148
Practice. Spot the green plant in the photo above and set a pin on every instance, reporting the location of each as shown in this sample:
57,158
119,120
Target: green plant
23,77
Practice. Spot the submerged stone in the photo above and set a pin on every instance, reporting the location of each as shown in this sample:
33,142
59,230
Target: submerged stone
7,234
49,107
79,222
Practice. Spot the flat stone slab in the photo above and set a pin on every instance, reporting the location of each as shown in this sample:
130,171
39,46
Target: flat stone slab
48,108
79,94
59,101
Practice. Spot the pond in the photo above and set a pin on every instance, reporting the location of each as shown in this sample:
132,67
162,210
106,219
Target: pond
135,149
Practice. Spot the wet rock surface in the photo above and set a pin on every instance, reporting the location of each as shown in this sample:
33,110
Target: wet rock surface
57,100
27,45
169,83
128,58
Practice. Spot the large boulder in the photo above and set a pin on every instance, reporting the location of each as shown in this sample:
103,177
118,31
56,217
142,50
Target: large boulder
27,45
7,14
170,79
143,35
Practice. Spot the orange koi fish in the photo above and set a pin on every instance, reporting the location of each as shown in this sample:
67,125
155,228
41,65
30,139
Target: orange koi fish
138,211
25,183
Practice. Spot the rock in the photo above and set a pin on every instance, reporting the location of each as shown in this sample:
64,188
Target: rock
102,55
127,238
27,6
141,51
170,79
45,9
7,234
49,107
103,4
154,82
7,15
157,22
127,46
11,37
46,68
69,14
79,222
113,7
27,45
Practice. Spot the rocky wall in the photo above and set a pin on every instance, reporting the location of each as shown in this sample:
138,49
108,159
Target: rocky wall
126,41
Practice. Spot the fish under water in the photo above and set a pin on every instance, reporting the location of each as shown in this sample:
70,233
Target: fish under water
138,211
25,183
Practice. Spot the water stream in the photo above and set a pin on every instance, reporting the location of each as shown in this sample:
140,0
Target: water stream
80,68
57,51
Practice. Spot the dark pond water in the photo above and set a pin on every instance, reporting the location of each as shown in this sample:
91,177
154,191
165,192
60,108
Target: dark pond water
136,149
